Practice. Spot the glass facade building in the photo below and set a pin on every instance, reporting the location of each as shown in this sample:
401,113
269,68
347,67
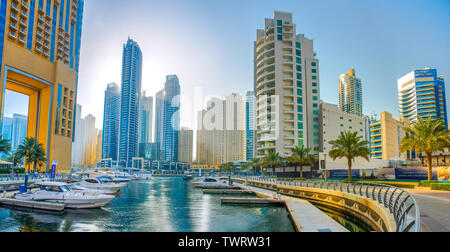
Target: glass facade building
350,93
129,107
171,118
422,95
250,125
111,122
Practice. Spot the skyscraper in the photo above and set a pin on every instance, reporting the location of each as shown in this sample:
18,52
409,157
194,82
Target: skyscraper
159,112
78,143
146,119
39,56
111,115
90,142
422,95
185,145
19,130
171,118
286,82
250,125
221,132
350,93
129,103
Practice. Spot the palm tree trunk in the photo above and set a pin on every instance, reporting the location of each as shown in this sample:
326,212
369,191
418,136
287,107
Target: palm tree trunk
430,165
273,170
349,168
301,171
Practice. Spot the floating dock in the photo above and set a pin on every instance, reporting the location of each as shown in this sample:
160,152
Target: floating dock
218,187
218,191
32,204
252,201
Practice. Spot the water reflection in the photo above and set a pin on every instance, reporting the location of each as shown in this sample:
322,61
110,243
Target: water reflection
160,205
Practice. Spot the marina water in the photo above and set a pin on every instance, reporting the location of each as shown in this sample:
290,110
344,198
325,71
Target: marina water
158,205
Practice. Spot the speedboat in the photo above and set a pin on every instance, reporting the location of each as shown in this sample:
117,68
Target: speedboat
143,175
210,181
58,192
98,184
76,187
188,177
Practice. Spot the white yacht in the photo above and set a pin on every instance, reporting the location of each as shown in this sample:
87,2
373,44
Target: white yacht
143,175
97,184
209,181
76,187
57,192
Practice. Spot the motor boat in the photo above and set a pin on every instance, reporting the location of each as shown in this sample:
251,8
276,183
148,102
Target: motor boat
76,187
98,184
143,175
109,179
209,181
188,178
58,192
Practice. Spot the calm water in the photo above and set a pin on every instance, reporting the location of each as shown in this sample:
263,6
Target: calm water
159,205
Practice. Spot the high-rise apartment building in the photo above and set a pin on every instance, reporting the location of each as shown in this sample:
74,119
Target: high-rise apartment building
111,121
221,132
78,143
146,119
250,125
386,134
286,85
90,142
334,121
129,103
39,57
422,95
185,145
159,112
350,93
19,130
171,119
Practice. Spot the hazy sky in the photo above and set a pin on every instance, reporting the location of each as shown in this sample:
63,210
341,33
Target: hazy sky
209,45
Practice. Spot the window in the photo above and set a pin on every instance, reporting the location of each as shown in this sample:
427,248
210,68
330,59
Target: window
314,91
279,22
299,92
299,68
314,71
280,30
298,45
314,77
300,109
300,125
315,105
315,112
315,98
314,84
300,117
299,84
280,37
299,76
300,101
298,52
313,64
299,61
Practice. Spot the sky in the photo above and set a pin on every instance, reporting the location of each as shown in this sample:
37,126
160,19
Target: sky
209,45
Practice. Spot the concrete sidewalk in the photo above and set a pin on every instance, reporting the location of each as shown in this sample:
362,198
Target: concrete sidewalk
434,209
306,217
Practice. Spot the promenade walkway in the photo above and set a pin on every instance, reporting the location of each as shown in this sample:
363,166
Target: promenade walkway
434,210
306,217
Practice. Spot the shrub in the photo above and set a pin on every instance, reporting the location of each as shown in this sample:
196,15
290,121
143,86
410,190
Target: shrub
427,183
440,187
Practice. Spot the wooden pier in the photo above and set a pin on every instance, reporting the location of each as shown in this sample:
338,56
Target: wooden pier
252,201
218,191
32,204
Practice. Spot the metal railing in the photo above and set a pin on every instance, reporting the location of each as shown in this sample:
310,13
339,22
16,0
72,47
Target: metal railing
21,177
401,204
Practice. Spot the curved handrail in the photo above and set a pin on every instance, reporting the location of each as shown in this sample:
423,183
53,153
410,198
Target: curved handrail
400,203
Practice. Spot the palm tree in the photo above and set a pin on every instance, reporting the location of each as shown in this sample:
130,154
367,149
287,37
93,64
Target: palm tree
256,163
5,145
349,146
301,156
428,137
39,157
32,151
14,159
272,160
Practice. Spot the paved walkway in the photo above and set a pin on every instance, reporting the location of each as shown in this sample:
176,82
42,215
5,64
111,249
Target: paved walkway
307,217
434,210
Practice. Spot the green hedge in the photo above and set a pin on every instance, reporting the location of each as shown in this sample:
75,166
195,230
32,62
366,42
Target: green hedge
440,187
427,183
16,170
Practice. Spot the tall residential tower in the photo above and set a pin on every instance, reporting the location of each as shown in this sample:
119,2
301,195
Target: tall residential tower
421,94
171,119
129,103
39,57
111,122
350,94
286,81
